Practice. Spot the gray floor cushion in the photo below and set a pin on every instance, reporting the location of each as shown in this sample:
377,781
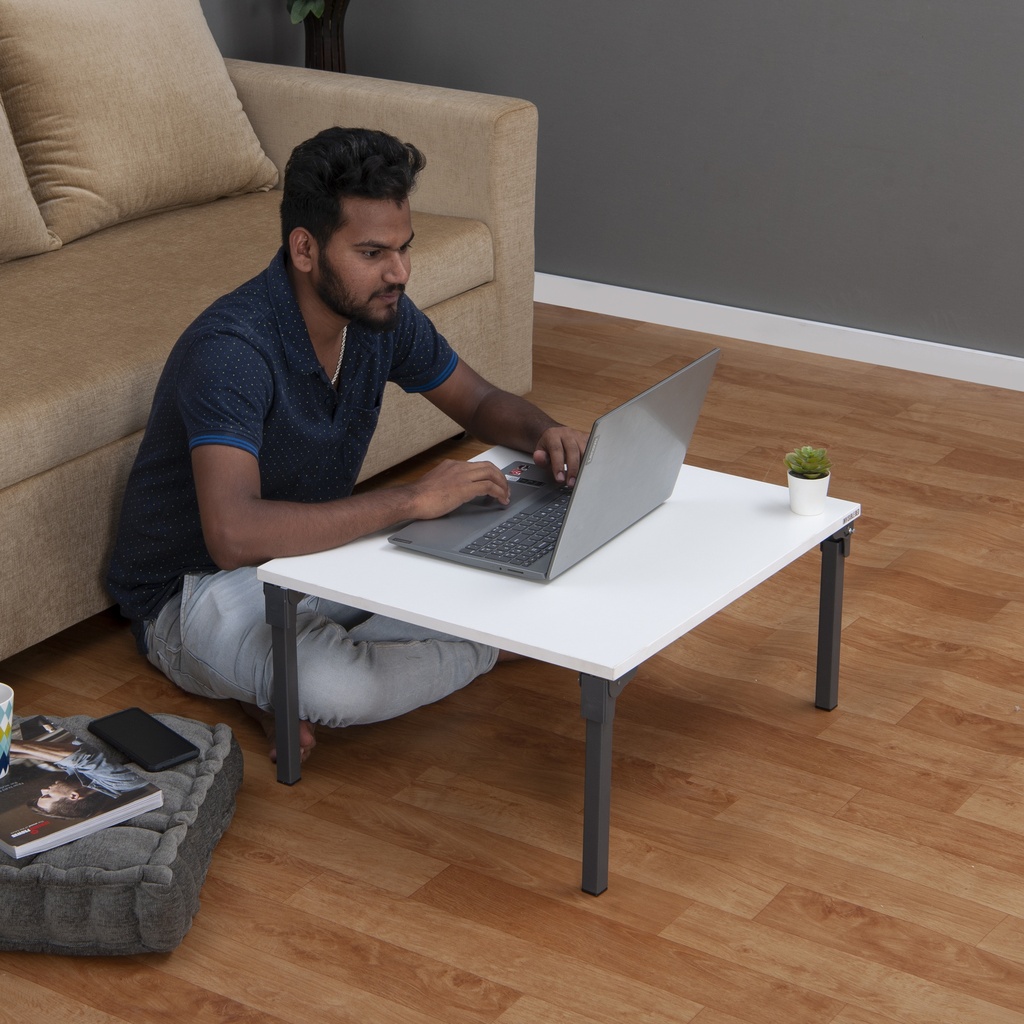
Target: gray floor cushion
133,887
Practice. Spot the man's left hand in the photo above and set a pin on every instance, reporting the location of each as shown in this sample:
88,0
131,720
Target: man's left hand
560,449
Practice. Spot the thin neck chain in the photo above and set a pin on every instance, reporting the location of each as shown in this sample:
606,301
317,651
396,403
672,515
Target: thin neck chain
341,355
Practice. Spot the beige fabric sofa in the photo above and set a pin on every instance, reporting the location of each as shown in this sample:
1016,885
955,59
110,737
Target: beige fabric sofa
88,319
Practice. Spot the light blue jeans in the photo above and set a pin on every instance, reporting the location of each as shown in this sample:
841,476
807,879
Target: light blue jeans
213,640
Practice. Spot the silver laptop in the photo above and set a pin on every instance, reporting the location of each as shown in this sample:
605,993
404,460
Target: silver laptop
629,468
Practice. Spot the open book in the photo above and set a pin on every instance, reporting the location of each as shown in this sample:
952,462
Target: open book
60,788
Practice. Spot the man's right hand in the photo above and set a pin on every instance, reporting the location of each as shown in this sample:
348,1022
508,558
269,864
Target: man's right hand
451,484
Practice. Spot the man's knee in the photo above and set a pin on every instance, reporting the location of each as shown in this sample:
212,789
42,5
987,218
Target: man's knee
370,681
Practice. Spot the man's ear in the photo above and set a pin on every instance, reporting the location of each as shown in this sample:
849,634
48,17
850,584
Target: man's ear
302,250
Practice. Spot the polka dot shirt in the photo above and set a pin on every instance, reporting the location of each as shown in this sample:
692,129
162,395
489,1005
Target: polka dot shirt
245,374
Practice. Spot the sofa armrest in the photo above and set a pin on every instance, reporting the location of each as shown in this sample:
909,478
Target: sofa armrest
481,155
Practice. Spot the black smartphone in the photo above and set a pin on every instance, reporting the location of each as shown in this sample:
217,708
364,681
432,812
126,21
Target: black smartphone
143,739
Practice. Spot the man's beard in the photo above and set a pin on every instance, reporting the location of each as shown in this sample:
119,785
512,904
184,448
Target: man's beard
336,298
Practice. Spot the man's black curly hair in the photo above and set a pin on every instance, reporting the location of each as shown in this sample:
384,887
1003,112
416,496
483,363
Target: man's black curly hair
340,162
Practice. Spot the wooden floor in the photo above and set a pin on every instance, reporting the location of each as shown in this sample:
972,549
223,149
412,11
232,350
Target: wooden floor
770,863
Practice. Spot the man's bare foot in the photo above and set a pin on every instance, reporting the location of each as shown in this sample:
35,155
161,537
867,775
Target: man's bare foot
307,731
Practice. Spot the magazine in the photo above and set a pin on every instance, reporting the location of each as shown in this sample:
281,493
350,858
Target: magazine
60,788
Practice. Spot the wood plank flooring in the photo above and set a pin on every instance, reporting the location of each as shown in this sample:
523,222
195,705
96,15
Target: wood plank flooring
770,863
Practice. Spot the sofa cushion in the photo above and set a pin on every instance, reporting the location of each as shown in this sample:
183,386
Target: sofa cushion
22,231
79,364
120,108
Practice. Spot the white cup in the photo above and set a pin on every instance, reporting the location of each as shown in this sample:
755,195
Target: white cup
6,720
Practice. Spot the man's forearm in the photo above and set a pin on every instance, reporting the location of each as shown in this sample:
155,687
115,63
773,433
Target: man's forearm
241,528
507,419
261,529
504,418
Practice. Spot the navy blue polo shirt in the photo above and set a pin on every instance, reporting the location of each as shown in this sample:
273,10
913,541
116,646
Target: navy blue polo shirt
245,374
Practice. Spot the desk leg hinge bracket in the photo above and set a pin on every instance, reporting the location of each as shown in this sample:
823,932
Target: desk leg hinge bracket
841,539
598,696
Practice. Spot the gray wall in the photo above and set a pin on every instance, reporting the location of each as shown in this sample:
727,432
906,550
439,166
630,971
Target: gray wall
855,162
255,30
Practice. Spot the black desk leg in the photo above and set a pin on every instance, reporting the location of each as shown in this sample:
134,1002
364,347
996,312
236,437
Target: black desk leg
281,604
834,552
597,706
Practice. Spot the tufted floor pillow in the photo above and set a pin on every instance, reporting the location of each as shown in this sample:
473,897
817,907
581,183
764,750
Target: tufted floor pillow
133,887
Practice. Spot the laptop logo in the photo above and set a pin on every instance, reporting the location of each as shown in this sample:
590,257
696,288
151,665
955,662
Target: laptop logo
593,449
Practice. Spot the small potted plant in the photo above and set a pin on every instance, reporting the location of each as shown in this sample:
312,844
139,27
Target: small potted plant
809,470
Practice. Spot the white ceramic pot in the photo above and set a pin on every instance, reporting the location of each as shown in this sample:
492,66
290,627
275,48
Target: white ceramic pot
807,497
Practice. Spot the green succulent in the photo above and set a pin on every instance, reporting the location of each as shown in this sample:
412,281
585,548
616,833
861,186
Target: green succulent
809,462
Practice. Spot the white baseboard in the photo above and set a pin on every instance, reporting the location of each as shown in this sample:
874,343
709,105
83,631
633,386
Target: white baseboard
992,368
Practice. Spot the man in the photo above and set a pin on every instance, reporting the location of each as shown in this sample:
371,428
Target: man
259,426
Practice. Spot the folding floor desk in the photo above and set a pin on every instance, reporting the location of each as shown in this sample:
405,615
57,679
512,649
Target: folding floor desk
714,540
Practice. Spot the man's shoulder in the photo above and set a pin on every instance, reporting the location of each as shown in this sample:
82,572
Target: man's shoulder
245,308
246,318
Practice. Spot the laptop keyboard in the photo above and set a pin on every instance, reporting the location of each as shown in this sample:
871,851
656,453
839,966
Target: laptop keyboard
525,537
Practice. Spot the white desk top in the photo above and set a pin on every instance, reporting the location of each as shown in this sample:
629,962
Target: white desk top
716,538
